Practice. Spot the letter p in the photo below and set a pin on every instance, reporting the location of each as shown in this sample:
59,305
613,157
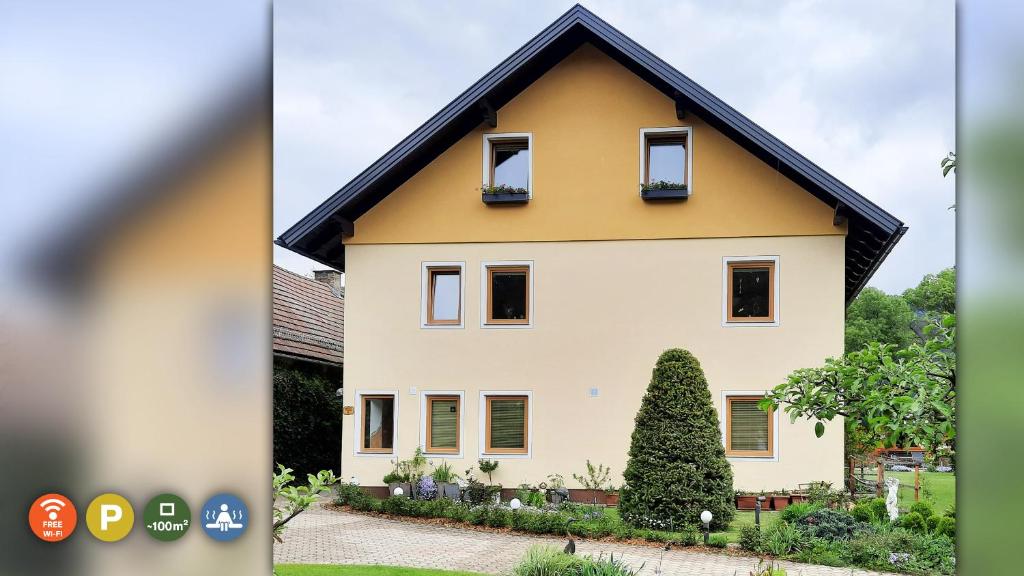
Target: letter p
109,513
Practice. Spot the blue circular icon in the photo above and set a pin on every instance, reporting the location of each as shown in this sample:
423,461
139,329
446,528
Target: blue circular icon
224,517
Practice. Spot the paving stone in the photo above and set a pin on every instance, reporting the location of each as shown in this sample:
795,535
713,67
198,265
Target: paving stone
323,536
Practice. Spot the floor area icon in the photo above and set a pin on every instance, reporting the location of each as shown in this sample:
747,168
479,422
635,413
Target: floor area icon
225,517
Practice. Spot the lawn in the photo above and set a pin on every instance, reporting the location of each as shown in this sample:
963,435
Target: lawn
942,486
328,570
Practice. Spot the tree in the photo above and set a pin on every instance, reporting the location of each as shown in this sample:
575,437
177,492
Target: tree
935,294
307,421
896,397
875,316
677,466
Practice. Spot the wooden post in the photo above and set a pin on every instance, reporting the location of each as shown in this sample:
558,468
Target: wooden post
852,481
917,483
881,478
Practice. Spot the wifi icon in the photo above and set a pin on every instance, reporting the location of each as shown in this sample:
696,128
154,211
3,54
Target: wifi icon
52,517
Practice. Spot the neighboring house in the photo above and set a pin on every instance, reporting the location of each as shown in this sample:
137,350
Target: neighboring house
309,315
523,326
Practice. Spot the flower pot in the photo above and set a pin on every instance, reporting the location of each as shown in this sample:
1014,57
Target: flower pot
449,490
746,502
506,198
495,493
665,194
611,499
405,486
779,502
558,495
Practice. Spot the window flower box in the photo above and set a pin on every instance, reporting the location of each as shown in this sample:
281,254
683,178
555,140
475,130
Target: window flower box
505,195
664,191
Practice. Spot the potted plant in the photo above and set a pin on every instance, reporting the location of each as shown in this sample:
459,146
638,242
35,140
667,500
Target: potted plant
445,479
556,491
611,497
745,500
398,479
780,499
488,467
504,194
662,190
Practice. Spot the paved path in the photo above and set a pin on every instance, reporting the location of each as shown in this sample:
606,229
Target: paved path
322,536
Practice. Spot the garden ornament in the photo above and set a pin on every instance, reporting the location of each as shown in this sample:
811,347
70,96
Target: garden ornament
893,484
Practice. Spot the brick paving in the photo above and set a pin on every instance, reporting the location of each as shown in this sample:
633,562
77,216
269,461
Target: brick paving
323,536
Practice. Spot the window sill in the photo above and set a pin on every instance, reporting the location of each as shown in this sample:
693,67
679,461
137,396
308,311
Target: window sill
503,455
506,198
766,323
665,194
751,458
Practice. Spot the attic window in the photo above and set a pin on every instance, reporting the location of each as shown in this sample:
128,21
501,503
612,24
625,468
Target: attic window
665,161
508,163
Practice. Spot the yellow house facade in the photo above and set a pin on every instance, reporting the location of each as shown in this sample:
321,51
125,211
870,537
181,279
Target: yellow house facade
515,267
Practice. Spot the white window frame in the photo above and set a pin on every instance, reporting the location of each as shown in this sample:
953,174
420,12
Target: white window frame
508,136
775,427
485,286
462,422
482,424
726,260
357,434
425,288
685,130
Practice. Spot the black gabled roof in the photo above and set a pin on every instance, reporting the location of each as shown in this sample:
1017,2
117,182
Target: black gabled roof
872,231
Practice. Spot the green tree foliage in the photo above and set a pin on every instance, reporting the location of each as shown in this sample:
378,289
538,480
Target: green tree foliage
290,500
307,421
936,294
875,316
897,397
677,465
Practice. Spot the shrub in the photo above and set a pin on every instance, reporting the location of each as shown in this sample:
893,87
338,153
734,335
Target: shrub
830,524
718,541
427,488
914,521
688,536
750,538
923,508
796,512
945,526
307,421
677,465
781,538
879,510
862,512
488,467
825,552
347,493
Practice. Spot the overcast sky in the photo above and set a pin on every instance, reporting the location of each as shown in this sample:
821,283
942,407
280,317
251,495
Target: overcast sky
864,89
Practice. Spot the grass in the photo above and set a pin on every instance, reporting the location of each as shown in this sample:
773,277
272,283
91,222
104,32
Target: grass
942,486
329,570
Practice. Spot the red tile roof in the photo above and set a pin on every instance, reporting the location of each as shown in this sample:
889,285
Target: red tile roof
309,318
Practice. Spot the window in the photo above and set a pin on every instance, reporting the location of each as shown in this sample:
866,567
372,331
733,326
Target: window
751,291
749,431
442,294
665,158
507,298
507,424
508,162
377,422
443,421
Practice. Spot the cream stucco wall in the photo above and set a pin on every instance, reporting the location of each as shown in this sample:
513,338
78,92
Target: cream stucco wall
603,312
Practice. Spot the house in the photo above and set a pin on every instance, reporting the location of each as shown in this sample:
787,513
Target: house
308,317
515,266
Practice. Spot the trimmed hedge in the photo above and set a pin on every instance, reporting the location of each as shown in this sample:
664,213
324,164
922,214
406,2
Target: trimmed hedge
677,466
307,421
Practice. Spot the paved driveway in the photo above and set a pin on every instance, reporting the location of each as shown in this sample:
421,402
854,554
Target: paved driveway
322,536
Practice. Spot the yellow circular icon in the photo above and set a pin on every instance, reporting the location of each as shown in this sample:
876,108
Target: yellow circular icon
110,517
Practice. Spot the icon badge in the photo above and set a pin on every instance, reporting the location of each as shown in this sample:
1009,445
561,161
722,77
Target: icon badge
225,517
52,517
167,517
110,517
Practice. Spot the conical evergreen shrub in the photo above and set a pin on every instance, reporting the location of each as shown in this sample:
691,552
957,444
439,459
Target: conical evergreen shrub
677,465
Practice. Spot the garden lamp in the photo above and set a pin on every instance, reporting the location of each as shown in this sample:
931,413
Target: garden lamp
515,504
399,491
705,517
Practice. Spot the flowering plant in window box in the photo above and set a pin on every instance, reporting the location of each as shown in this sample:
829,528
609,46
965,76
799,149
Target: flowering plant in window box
663,190
504,194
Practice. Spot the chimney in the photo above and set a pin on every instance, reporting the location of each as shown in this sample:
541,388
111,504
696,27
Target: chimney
332,278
